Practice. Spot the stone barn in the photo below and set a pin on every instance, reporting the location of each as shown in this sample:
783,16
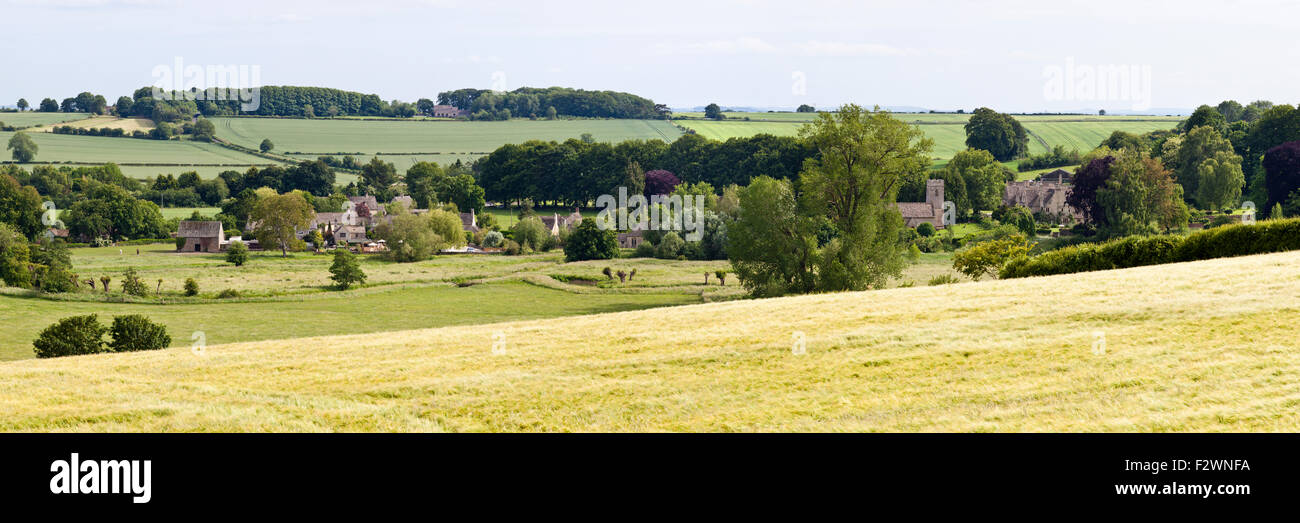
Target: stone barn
201,236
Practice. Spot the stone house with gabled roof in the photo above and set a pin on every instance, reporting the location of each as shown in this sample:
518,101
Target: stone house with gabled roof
930,211
555,222
201,236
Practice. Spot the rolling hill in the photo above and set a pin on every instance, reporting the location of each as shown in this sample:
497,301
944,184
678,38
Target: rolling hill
1204,346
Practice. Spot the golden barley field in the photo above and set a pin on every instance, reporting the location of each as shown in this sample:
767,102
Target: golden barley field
1204,346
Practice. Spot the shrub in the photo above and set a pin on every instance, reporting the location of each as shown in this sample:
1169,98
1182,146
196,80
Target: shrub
180,243
670,246
493,239
228,293
135,333
346,271
511,248
925,229
530,232
644,250
1135,251
58,277
589,242
943,279
191,287
988,257
71,336
237,253
131,283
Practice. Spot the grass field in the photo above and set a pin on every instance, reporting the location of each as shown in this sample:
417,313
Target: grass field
98,149
365,311
315,137
31,118
947,130
186,212
1205,346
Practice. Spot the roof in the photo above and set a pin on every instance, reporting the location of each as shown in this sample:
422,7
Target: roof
329,217
190,229
916,209
469,222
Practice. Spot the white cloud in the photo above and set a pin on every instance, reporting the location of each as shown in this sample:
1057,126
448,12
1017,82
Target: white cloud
819,48
741,45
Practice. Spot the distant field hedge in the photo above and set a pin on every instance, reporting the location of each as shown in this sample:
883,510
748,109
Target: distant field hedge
1137,251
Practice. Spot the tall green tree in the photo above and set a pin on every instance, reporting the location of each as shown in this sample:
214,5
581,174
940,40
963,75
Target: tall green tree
22,104
1206,116
24,148
713,112
997,133
379,174
346,270
589,242
1220,182
1198,145
280,218
20,206
843,232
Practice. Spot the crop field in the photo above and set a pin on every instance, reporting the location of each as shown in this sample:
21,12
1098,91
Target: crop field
32,118
317,137
126,124
186,212
97,149
947,130
1205,346
401,162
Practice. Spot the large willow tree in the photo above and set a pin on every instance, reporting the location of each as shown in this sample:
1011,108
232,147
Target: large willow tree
843,233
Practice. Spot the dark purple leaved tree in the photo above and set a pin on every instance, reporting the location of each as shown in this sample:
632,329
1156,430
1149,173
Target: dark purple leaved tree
1083,196
660,181
1281,173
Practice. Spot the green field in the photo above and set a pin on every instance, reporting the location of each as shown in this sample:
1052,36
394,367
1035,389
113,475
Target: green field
186,212
336,313
31,118
317,137
1080,132
97,149
1197,347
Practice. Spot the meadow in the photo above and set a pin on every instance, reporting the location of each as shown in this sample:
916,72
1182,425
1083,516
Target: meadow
27,119
430,138
1204,346
59,148
1079,132
298,286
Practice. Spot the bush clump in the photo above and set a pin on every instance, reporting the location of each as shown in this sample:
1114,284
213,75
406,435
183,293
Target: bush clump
78,335
71,336
1137,251
135,333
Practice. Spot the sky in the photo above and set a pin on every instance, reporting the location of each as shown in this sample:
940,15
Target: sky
1011,55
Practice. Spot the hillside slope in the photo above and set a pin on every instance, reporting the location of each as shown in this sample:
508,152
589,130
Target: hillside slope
1205,346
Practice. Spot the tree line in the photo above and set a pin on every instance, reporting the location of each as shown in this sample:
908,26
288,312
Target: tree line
551,102
577,172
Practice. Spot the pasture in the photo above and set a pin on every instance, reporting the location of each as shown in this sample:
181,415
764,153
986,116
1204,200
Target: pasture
1082,132
62,148
422,137
27,119
1205,346
280,287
